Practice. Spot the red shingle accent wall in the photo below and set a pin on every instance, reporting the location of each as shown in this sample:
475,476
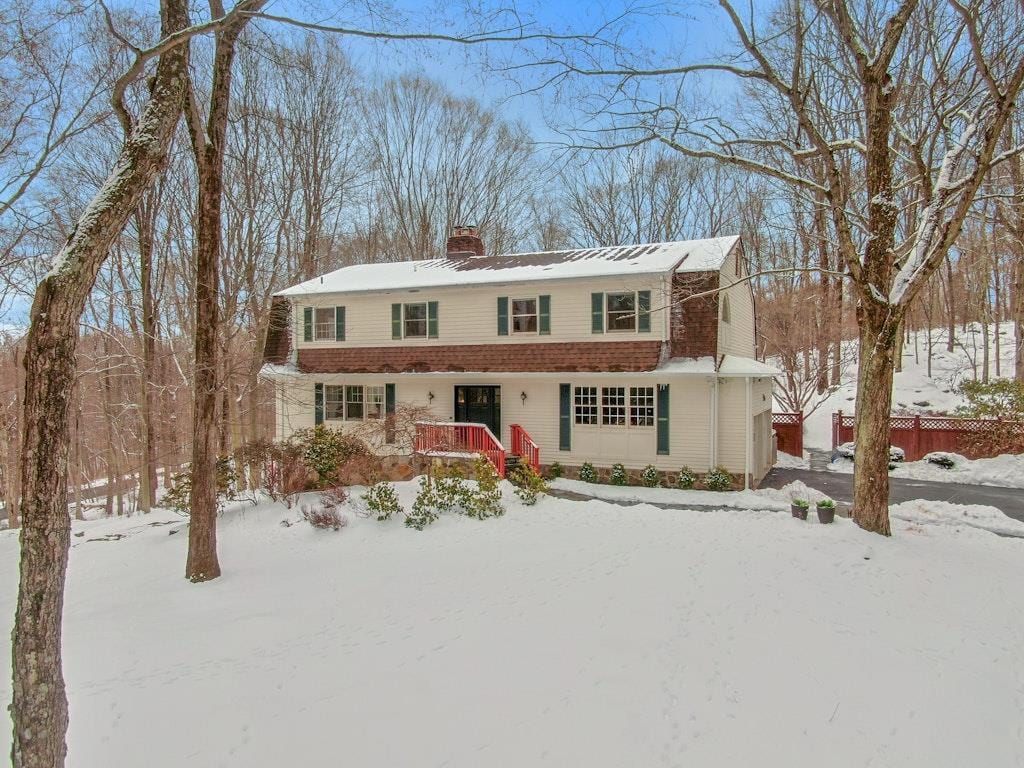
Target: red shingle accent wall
617,356
278,344
694,323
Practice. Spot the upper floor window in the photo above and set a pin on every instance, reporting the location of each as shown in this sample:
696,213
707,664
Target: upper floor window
524,315
324,326
323,323
620,312
415,320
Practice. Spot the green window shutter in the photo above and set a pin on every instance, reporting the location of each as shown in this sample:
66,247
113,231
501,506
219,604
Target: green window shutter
643,306
662,419
597,313
396,321
544,315
432,319
503,315
318,403
307,323
339,323
389,413
564,417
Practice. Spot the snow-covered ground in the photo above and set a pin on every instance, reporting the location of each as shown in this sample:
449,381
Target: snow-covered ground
566,634
914,391
1006,470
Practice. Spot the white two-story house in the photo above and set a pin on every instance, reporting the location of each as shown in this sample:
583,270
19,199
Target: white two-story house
641,354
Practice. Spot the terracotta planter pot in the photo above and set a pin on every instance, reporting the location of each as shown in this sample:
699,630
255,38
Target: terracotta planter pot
798,512
826,514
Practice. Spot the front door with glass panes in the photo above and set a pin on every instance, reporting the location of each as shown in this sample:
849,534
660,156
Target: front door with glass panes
479,405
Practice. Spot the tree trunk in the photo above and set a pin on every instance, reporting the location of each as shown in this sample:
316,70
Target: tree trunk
208,148
878,337
951,308
1018,316
39,709
147,470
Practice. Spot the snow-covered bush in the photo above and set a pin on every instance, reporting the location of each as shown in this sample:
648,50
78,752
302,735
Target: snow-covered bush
943,459
529,484
718,479
650,476
323,517
555,470
847,451
587,473
382,501
450,490
179,496
424,508
619,475
687,477
326,451
896,453
485,500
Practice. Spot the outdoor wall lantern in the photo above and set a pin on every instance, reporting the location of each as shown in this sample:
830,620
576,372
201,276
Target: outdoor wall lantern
430,396
522,396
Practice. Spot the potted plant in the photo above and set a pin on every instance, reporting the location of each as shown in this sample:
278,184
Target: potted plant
826,511
799,508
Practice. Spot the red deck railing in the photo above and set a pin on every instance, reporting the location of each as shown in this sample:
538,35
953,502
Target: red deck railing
524,446
456,438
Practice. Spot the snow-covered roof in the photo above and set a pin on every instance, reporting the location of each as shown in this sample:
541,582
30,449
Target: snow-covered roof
731,365
683,256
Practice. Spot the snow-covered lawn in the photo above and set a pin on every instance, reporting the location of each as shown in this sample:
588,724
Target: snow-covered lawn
1006,470
567,634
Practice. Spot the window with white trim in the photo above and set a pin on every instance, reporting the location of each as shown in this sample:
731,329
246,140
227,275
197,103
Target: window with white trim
334,402
641,406
524,315
613,406
375,402
620,311
414,320
324,328
353,403
585,405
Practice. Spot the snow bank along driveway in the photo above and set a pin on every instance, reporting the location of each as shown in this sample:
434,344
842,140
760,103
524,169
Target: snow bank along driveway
568,634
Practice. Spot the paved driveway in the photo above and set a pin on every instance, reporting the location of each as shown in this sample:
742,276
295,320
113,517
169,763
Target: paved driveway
839,486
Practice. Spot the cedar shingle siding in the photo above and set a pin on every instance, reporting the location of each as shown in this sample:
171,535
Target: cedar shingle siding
278,345
620,356
694,323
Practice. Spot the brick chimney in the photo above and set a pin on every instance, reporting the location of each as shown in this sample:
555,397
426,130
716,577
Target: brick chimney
464,241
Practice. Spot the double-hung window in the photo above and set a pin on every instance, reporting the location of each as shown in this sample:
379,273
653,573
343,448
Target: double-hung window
613,406
415,319
524,315
585,405
641,406
375,402
334,402
353,403
621,311
324,326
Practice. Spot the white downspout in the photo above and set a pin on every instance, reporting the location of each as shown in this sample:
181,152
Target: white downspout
713,440
747,421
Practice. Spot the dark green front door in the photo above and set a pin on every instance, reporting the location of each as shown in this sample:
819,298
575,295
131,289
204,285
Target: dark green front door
480,405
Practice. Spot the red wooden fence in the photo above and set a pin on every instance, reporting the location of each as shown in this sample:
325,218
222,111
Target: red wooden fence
789,431
920,435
